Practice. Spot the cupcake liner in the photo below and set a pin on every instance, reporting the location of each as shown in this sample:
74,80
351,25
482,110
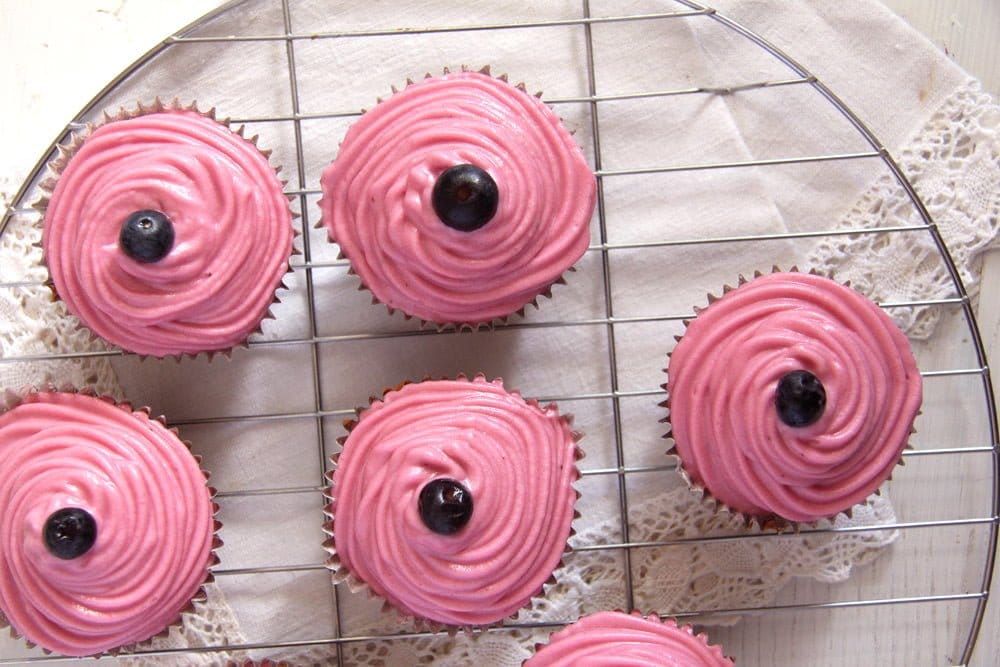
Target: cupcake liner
494,322
65,153
668,624
457,326
11,399
339,573
763,522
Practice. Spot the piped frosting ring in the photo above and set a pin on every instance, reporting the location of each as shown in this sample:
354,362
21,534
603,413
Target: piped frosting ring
516,459
231,224
378,199
723,378
148,499
627,640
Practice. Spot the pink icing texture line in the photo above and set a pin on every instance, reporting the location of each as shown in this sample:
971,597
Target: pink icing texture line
722,380
627,640
231,220
518,461
377,200
154,523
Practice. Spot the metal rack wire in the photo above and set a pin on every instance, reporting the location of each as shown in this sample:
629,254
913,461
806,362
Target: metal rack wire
607,322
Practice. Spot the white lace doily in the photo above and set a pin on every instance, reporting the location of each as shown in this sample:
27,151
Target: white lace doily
954,164
33,323
682,577
211,623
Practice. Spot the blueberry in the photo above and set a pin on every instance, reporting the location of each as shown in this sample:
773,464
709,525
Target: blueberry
800,398
445,506
146,236
69,533
465,197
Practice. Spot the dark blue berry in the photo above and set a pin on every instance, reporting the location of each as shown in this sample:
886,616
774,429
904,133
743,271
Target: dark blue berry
800,398
465,197
70,532
147,236
445,506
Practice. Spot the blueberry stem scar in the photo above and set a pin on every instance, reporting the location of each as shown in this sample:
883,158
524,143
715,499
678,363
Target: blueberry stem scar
69,533
146,236
445,506
800,398
465,197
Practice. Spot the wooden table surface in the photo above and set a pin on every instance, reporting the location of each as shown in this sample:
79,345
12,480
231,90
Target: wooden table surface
969,32
41,94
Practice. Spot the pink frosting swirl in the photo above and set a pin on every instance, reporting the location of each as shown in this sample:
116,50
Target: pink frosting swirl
377,199
723,375
152,509
231,220
518,461
627,640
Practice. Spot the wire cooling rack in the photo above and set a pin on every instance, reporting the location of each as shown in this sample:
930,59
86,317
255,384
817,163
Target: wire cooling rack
924,600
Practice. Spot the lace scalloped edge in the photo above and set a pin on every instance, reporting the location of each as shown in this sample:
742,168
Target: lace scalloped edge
953,162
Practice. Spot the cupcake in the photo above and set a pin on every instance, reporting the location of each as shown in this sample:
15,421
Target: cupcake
614,637
107,529
165,232
452,500
459,200
791,396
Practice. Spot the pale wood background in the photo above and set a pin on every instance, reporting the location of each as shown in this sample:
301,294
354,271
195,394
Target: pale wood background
102,36
969,32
